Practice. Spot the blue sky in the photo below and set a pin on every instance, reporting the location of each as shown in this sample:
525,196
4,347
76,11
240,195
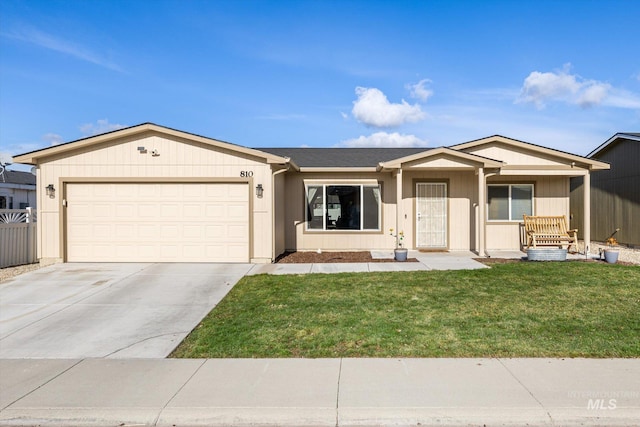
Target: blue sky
563,74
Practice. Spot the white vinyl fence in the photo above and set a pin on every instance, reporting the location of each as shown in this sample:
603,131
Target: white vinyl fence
17,237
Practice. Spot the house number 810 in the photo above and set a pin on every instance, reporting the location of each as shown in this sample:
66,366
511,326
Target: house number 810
246,174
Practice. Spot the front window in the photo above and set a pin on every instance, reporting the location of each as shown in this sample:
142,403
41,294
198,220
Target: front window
343,207
509,202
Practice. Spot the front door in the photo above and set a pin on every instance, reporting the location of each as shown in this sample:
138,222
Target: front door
431,215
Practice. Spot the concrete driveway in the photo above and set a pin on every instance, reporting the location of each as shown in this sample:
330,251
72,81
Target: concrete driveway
108,310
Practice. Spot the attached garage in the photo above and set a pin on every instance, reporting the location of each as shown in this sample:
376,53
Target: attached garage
154,194
157,222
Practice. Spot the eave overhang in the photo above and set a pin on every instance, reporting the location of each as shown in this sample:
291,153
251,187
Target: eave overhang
572,159
36,157
612,141
465,160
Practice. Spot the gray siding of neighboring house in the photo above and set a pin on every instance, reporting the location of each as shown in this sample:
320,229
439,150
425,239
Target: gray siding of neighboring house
615,195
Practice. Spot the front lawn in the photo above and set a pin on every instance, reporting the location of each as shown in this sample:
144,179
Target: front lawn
570,309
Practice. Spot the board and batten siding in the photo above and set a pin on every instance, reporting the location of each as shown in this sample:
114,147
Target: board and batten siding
177,158
615,195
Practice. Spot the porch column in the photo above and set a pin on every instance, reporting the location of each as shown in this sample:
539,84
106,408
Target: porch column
587,212
481,211
399,209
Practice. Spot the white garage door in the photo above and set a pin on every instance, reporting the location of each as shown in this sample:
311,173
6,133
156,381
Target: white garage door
157,222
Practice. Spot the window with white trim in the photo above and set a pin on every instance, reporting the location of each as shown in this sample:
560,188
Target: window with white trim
343,207
508,202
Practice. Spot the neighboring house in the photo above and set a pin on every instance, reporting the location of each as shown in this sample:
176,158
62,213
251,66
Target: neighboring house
615,194
17,189
153,194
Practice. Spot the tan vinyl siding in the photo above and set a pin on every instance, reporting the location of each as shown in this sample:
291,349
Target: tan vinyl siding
551,197
298,238
280,209
461,198
511,155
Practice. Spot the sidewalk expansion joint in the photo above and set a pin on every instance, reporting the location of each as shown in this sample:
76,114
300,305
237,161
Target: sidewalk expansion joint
155,422
338,394
528,391
43,384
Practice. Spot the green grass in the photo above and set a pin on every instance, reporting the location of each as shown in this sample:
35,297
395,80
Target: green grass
571,309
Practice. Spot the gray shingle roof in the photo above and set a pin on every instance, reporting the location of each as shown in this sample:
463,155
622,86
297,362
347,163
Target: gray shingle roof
342,157
17,177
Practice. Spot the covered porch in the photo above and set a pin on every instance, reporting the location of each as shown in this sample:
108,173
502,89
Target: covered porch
453,200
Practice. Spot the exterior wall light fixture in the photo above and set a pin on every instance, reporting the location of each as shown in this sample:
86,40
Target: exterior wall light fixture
51,191
259,191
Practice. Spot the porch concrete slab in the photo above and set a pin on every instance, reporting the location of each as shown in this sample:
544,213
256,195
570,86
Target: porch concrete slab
346,267
397,266
579,389
280,269
453,260
258,392
434,391
507,254
104,392
19,377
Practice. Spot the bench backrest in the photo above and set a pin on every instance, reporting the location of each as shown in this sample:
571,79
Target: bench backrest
545,224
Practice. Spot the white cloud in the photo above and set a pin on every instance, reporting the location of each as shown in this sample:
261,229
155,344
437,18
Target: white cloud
374,109
593,94
344,115
100,126
48,41
418,90
562,86
384,139
52,138
622,99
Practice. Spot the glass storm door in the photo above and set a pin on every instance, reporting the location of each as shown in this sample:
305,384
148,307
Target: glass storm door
431,215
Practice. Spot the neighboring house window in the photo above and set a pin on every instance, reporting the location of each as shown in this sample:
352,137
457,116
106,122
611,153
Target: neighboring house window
3,202
343,207
24,205
508,202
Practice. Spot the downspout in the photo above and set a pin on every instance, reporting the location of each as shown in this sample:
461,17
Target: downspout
273,210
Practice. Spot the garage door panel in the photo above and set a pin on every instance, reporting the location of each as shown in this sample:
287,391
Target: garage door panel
175,222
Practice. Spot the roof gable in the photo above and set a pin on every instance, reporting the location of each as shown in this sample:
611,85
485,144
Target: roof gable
515,152
442,157
68,148
613,141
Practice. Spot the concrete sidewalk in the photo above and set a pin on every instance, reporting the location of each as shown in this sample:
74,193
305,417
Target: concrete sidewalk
320,392
453,260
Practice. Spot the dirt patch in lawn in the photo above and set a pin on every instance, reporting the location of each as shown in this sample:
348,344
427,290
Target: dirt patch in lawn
330,257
